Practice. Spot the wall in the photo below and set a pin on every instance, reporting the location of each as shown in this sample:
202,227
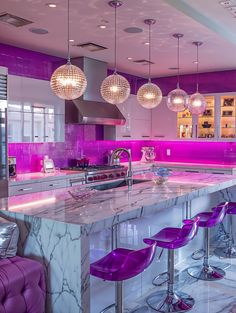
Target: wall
87,139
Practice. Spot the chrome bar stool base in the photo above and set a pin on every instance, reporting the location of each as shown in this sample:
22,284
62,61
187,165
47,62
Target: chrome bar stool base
209,273
229,253
164,302
108,308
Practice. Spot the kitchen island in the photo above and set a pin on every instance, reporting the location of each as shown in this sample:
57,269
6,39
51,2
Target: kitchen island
66,228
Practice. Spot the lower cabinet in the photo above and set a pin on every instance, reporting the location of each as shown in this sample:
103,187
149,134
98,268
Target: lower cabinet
32,187
23,189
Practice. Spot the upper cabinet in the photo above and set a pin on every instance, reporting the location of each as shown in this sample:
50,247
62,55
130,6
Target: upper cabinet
138,121
218,122
206,121
227,117
35,114
164,124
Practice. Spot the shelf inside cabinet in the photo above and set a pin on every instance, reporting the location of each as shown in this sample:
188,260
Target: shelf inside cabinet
227,116
184,124
206,125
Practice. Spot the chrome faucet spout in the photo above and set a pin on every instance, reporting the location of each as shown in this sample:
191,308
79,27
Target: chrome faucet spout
117,153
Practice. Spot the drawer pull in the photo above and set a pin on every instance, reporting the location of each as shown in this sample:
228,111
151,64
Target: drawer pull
191,171
218,173
159,136
25,189
126,136
145,136
52,185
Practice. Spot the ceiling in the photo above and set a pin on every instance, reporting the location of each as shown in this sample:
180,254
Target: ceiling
200,20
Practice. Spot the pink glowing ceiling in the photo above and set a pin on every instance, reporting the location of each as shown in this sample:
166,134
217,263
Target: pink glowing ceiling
217,53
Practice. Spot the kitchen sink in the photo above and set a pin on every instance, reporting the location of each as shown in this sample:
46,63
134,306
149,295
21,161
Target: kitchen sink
117,184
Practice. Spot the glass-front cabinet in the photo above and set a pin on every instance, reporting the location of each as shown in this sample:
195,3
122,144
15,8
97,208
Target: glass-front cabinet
218,121
206,121
227,117
184,125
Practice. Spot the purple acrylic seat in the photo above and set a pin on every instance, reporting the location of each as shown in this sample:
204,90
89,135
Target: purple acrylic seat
122,264
171,239
207,221
228,251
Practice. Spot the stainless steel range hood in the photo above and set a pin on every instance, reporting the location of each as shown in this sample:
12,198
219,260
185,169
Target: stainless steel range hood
91,108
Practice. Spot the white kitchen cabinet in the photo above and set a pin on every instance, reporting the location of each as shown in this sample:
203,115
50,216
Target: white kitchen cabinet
138,121
44,184
35,114
22,189
164,123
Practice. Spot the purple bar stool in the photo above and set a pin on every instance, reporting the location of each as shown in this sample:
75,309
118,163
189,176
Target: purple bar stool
122,264
171,239
230,250
207,221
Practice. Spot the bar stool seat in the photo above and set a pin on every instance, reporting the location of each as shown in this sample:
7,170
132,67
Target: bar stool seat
122,264
207,221
171,239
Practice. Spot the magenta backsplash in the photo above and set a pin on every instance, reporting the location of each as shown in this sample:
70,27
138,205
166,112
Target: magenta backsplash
81,140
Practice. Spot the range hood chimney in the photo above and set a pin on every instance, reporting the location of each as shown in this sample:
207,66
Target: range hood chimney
91,108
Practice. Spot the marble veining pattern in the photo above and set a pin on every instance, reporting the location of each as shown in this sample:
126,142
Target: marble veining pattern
58,247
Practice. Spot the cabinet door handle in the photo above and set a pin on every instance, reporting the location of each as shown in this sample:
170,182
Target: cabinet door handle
126,136
191,171
26,189
159,136
52,185
36,136
145,136
218,173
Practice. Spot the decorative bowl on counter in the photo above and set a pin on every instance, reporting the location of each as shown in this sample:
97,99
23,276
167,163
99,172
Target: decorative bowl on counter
161,175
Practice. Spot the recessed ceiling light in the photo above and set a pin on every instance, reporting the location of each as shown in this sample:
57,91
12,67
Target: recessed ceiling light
51,5
146,43
102,26
71,40
129,58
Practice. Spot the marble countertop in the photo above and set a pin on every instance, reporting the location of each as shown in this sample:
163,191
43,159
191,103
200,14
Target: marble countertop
181,164
40,176
96,210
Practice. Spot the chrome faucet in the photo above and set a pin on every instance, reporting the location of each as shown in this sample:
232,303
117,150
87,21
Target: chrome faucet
116,154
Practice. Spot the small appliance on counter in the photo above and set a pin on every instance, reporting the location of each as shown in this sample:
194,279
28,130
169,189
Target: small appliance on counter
148,154
12,166
48,165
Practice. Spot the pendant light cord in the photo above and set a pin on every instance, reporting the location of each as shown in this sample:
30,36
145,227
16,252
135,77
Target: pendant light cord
149,55
68,31
115,61
178,64
197,68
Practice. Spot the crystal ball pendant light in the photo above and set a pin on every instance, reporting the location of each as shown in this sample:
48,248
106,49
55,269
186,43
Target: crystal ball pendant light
149,95
115,89
68,81
197,103
177,99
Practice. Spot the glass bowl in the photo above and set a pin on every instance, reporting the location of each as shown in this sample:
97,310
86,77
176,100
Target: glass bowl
161,175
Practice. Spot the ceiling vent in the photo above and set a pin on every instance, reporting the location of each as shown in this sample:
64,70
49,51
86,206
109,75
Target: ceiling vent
143,62
14,20
90,46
